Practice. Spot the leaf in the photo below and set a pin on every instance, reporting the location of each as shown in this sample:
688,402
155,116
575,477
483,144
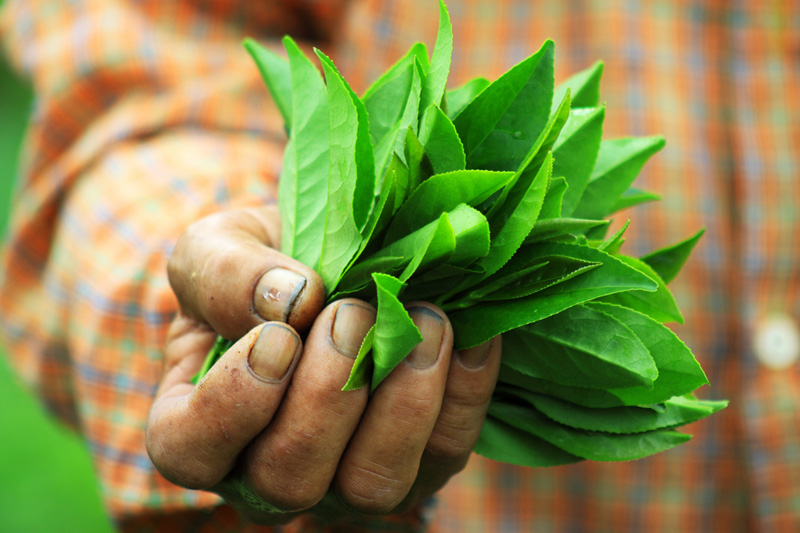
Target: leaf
480,323
440,141
618,163
667,262
458,98
440,246
676,412
581,347
613,244
350,171
533,161
436,80
584,86
502,442
552,228
403,109
551,207
441,193
472,235
276,75
516,226
659,305
576,151
395,332
595,446
303,187
633,197
414,154
499,126
679,371
362,365
437,280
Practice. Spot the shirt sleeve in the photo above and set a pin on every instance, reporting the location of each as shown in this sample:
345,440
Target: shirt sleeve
148,116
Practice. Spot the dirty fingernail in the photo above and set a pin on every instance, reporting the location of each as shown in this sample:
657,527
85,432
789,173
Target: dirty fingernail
273,352
276,293
431,326
476,356
350,325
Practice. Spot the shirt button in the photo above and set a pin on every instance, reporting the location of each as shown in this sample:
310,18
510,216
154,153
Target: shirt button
777,342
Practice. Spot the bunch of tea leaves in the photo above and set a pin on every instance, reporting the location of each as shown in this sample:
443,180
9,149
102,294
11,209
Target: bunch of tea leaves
490,200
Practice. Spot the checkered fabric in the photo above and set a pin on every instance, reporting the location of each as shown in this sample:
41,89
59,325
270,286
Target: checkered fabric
150,115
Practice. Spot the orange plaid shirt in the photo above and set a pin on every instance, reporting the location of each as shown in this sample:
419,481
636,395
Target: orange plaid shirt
149,115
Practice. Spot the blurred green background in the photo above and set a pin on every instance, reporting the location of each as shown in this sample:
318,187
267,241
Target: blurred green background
46,478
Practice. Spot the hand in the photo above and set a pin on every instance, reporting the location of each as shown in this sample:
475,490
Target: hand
269,428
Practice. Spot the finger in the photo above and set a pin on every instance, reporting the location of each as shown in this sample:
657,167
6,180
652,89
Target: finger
292,464
194,434
382,459
226,273
470,383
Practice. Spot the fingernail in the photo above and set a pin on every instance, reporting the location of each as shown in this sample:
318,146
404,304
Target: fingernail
476,356
276,293
273,352
431,326
350,325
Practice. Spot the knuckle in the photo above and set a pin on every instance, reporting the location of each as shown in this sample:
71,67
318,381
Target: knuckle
285,478
175,465
373,489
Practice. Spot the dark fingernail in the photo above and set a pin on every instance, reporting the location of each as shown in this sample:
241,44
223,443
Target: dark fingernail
476,356
276,293
273,352
431,326
350,325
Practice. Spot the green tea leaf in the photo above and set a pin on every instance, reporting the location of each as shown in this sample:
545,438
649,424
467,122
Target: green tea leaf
633,197
303,187
395,332
576,151
668,261
440,140
472,235
436,80
585,87
362,365
677,411
441,193
678,371
276,75
659,305
596,446
480,323
440,245
499,126
458,98
581,347
351,170
414,154
502,442
553,228
519,222
554,198
613,244
618,163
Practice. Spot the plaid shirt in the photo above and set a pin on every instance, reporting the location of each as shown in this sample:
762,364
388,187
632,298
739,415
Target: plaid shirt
149,115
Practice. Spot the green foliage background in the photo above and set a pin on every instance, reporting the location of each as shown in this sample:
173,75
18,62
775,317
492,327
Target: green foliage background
47,478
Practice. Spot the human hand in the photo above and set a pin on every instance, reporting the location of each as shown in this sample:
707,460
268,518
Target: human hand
269,427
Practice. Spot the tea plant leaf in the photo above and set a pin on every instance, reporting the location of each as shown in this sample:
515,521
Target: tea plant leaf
359,374
659,305
618,163
458,98
276,74
584,85
576,151
581,347
303,187
443,192
502,442
436,79
668,261
441,143
395,332
499,126
633,197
